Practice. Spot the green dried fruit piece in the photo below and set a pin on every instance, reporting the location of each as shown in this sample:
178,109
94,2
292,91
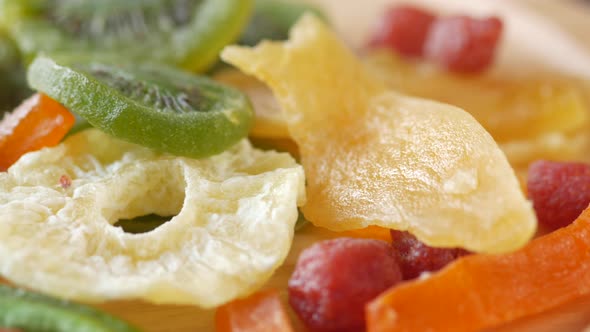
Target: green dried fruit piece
35,312
155,106
185,33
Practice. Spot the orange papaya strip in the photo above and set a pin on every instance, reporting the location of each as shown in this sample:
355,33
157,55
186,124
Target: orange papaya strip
37,123
261,312
483,291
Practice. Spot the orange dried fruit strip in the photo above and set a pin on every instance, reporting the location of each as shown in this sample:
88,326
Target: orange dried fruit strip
509,109
373,157
37,123
261,312
483,291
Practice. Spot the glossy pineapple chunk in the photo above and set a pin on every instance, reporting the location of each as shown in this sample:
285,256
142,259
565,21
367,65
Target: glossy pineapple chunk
375,157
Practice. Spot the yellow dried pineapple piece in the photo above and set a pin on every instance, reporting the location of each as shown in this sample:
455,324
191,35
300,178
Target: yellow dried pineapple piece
233,224
509,109
375,157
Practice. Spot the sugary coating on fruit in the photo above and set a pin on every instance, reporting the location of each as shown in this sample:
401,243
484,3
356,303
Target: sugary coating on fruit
560,191
375,157
334,279
415,257
233,224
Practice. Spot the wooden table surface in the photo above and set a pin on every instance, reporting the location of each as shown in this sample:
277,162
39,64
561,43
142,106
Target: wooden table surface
572,317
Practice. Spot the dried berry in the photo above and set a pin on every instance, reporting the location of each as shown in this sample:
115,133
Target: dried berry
560,191
403,29
334,279
415,257
463,44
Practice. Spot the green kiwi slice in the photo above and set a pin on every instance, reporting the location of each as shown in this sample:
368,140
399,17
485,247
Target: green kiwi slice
28,311
272,20
160,107
184,33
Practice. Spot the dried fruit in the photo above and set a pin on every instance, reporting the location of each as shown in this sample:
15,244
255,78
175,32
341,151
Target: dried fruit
560,191
478,292
34,312
415,257
233,224
552,146
37,123
184,33
463,44
269,121
403,29
160,107
375,157
260,312
334,279
509,108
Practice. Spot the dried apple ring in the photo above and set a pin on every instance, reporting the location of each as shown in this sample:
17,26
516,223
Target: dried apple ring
235,214
375,157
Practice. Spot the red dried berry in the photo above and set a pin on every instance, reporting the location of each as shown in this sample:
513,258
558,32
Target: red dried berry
463,44
415,257
560,191
334,279
403,29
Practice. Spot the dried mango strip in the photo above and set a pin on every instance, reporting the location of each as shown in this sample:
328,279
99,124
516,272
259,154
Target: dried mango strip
483,291
374,157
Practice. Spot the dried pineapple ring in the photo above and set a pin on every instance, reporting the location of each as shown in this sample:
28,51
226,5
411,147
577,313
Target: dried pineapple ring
374,157
234,224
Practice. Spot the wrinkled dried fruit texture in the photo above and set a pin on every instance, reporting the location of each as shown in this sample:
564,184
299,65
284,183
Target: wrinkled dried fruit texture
260,312
374,157
479,292
403,29
37,123
415,257
560,191
509,108
233,225
334,279
463,44
269,121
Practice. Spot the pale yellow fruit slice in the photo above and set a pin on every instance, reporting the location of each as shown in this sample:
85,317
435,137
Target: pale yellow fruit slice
269,121
508,108
233,225
375,157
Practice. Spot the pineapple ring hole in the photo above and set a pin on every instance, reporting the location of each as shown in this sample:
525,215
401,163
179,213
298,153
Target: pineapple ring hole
142,211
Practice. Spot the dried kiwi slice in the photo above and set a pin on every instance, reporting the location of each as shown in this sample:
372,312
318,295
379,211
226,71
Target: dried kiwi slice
185,33
272,20
152,105
34,312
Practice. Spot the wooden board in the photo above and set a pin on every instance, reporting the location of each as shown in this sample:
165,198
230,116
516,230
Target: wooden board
571,317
